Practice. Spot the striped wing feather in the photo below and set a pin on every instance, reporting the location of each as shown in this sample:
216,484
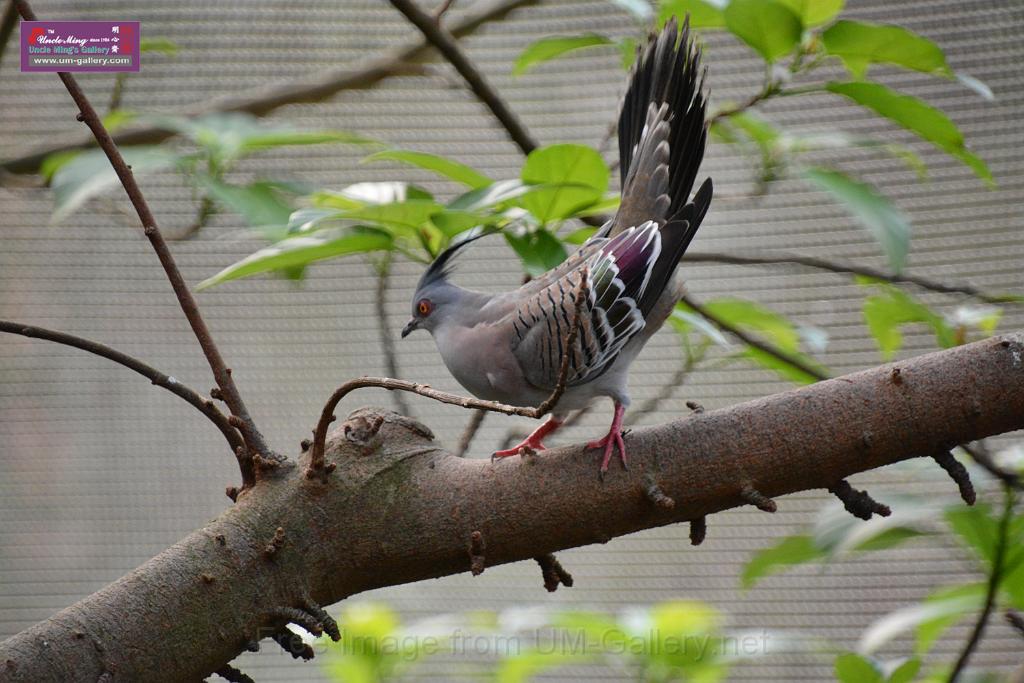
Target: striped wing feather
619,272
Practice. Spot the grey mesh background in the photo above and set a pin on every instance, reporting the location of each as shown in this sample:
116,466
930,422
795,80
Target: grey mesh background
99,471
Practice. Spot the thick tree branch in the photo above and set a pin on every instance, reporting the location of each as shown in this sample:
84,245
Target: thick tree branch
402,60
257,447
401,509
205,405
444,41
814,263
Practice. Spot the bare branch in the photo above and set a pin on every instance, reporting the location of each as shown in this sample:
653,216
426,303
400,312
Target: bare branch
981,456
387,343
553,572
814,263
8,22
189,306
444,41
317,468
203,404
995,577
400,61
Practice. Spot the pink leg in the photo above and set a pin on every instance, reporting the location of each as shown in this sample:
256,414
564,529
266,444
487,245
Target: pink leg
612,439
532,442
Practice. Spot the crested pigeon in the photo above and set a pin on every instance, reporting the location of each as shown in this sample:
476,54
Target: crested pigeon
509,347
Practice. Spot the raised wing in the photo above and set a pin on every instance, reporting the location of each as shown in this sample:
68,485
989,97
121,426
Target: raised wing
619,272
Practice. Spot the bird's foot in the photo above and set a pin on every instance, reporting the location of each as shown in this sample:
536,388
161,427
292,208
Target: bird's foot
524,447
532,443
611,441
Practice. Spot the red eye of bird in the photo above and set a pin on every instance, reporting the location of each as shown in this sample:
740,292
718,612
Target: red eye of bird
423,307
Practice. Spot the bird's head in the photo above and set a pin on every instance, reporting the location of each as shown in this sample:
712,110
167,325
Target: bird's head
436,298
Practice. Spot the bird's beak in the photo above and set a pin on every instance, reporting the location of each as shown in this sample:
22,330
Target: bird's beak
409,327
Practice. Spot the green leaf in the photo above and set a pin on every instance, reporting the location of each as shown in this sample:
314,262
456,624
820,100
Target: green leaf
452,223
791,550
814,12
493,195
261,203
53,162
89,174
119,118
539,250
916,116
448,168
934,615
860,44
853,668
404,217
875,212
774,327
359,195
299,251
683,321
228,136
886,313
627,51
546,49
566,163
566,177
580,236
161,45
768,26
703,13
905,671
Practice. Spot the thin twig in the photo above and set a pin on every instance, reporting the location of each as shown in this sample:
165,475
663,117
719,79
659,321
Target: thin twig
470,432
189,306
843,268
553,573
316,460
8,21
387,344
203,404
982,457
753,341
651,404
994,579
444,41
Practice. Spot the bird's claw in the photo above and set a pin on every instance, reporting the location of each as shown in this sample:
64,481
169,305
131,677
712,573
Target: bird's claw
526,447
610,441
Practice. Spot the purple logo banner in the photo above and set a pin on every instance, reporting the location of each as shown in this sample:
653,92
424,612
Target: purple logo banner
102,46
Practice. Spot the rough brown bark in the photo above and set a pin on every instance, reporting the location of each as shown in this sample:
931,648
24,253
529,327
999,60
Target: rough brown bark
399,508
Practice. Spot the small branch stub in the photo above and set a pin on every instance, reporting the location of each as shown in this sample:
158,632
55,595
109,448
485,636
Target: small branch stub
698,530
758,499
654,494
291,643
858,503
553,572
477,561
233,675
958,473
275,543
